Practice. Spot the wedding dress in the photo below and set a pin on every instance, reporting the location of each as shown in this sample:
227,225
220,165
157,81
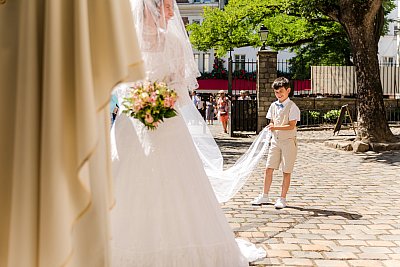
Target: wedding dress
166,212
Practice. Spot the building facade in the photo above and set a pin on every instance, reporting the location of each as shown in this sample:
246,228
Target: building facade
192,12
389,44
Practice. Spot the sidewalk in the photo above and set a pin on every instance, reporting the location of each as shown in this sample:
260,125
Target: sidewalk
344,208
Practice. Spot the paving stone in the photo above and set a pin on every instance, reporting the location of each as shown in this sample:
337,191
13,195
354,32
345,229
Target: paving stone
284,246
331,263
315,248
307,254
365,263
352,242
278,253
350,215
297,262
373,256
340,255
395,256
382,250
391,263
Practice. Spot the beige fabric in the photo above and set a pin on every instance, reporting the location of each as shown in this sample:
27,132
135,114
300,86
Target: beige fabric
282,153
59,61
283,149
282,119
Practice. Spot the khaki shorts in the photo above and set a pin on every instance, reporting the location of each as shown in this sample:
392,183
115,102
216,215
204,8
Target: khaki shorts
282,152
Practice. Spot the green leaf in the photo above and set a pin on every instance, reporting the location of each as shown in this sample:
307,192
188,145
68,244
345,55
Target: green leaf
170,113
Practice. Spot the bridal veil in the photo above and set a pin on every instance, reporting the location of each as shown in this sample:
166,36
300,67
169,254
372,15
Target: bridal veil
178,58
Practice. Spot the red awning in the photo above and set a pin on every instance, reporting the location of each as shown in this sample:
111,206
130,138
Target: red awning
219,84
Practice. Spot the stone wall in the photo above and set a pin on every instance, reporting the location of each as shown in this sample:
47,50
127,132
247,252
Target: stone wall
266,74
310,103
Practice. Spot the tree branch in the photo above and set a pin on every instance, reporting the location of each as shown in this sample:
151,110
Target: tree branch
297,43
375,6
331,11
306,40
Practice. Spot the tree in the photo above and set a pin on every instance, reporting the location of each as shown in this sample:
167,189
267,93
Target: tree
361,21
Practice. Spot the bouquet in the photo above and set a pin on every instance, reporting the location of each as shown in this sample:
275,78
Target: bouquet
150,103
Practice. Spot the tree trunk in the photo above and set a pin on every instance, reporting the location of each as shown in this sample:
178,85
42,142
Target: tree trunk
364,34
372,122
363,22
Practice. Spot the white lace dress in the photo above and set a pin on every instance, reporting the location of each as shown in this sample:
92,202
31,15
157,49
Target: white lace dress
166,212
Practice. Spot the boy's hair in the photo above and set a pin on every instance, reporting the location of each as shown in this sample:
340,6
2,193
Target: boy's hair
280,82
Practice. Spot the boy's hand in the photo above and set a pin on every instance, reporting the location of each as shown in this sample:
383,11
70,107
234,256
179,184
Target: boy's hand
271,126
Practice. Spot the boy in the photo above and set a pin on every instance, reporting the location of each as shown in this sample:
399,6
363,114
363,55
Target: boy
284,114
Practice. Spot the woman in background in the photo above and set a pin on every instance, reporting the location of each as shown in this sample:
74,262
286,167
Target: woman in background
223,110
210,105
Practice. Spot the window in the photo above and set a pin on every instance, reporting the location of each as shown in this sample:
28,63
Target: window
196,59
196,21
240,62
388,61
185,20
206,62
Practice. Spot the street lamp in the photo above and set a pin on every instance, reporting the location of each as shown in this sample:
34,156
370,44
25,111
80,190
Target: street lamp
263,33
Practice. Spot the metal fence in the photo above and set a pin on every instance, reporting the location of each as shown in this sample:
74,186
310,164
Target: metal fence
337,81
328,81
244,115
244,77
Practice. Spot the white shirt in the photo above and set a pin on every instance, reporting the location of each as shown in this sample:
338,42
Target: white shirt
195,100
294,112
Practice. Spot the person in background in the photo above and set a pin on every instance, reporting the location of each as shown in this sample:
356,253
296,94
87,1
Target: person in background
223,109
247,95
210,105
113,108
244,95
201,107
195,99
241,97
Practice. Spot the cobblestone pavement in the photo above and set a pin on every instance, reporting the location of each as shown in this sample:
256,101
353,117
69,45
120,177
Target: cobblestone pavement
343,208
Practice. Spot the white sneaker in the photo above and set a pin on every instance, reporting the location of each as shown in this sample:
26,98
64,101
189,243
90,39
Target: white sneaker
280,203
261,199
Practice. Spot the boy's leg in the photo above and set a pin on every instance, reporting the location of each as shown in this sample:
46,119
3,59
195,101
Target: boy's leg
285,184
289,152
273,162
262,198
268,179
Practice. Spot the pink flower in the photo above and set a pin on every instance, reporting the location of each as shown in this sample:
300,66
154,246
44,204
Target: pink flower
169,102
166,102
148,118
137,106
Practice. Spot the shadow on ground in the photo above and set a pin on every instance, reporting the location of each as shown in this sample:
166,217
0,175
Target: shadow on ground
385,157
327,213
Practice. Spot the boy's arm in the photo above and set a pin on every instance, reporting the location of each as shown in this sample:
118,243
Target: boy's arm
290,126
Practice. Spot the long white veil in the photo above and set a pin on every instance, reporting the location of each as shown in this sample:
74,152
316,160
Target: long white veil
225,182
173,56
177,58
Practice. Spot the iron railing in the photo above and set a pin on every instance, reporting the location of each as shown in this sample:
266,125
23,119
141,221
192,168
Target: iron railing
315,117
337,81
244,77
